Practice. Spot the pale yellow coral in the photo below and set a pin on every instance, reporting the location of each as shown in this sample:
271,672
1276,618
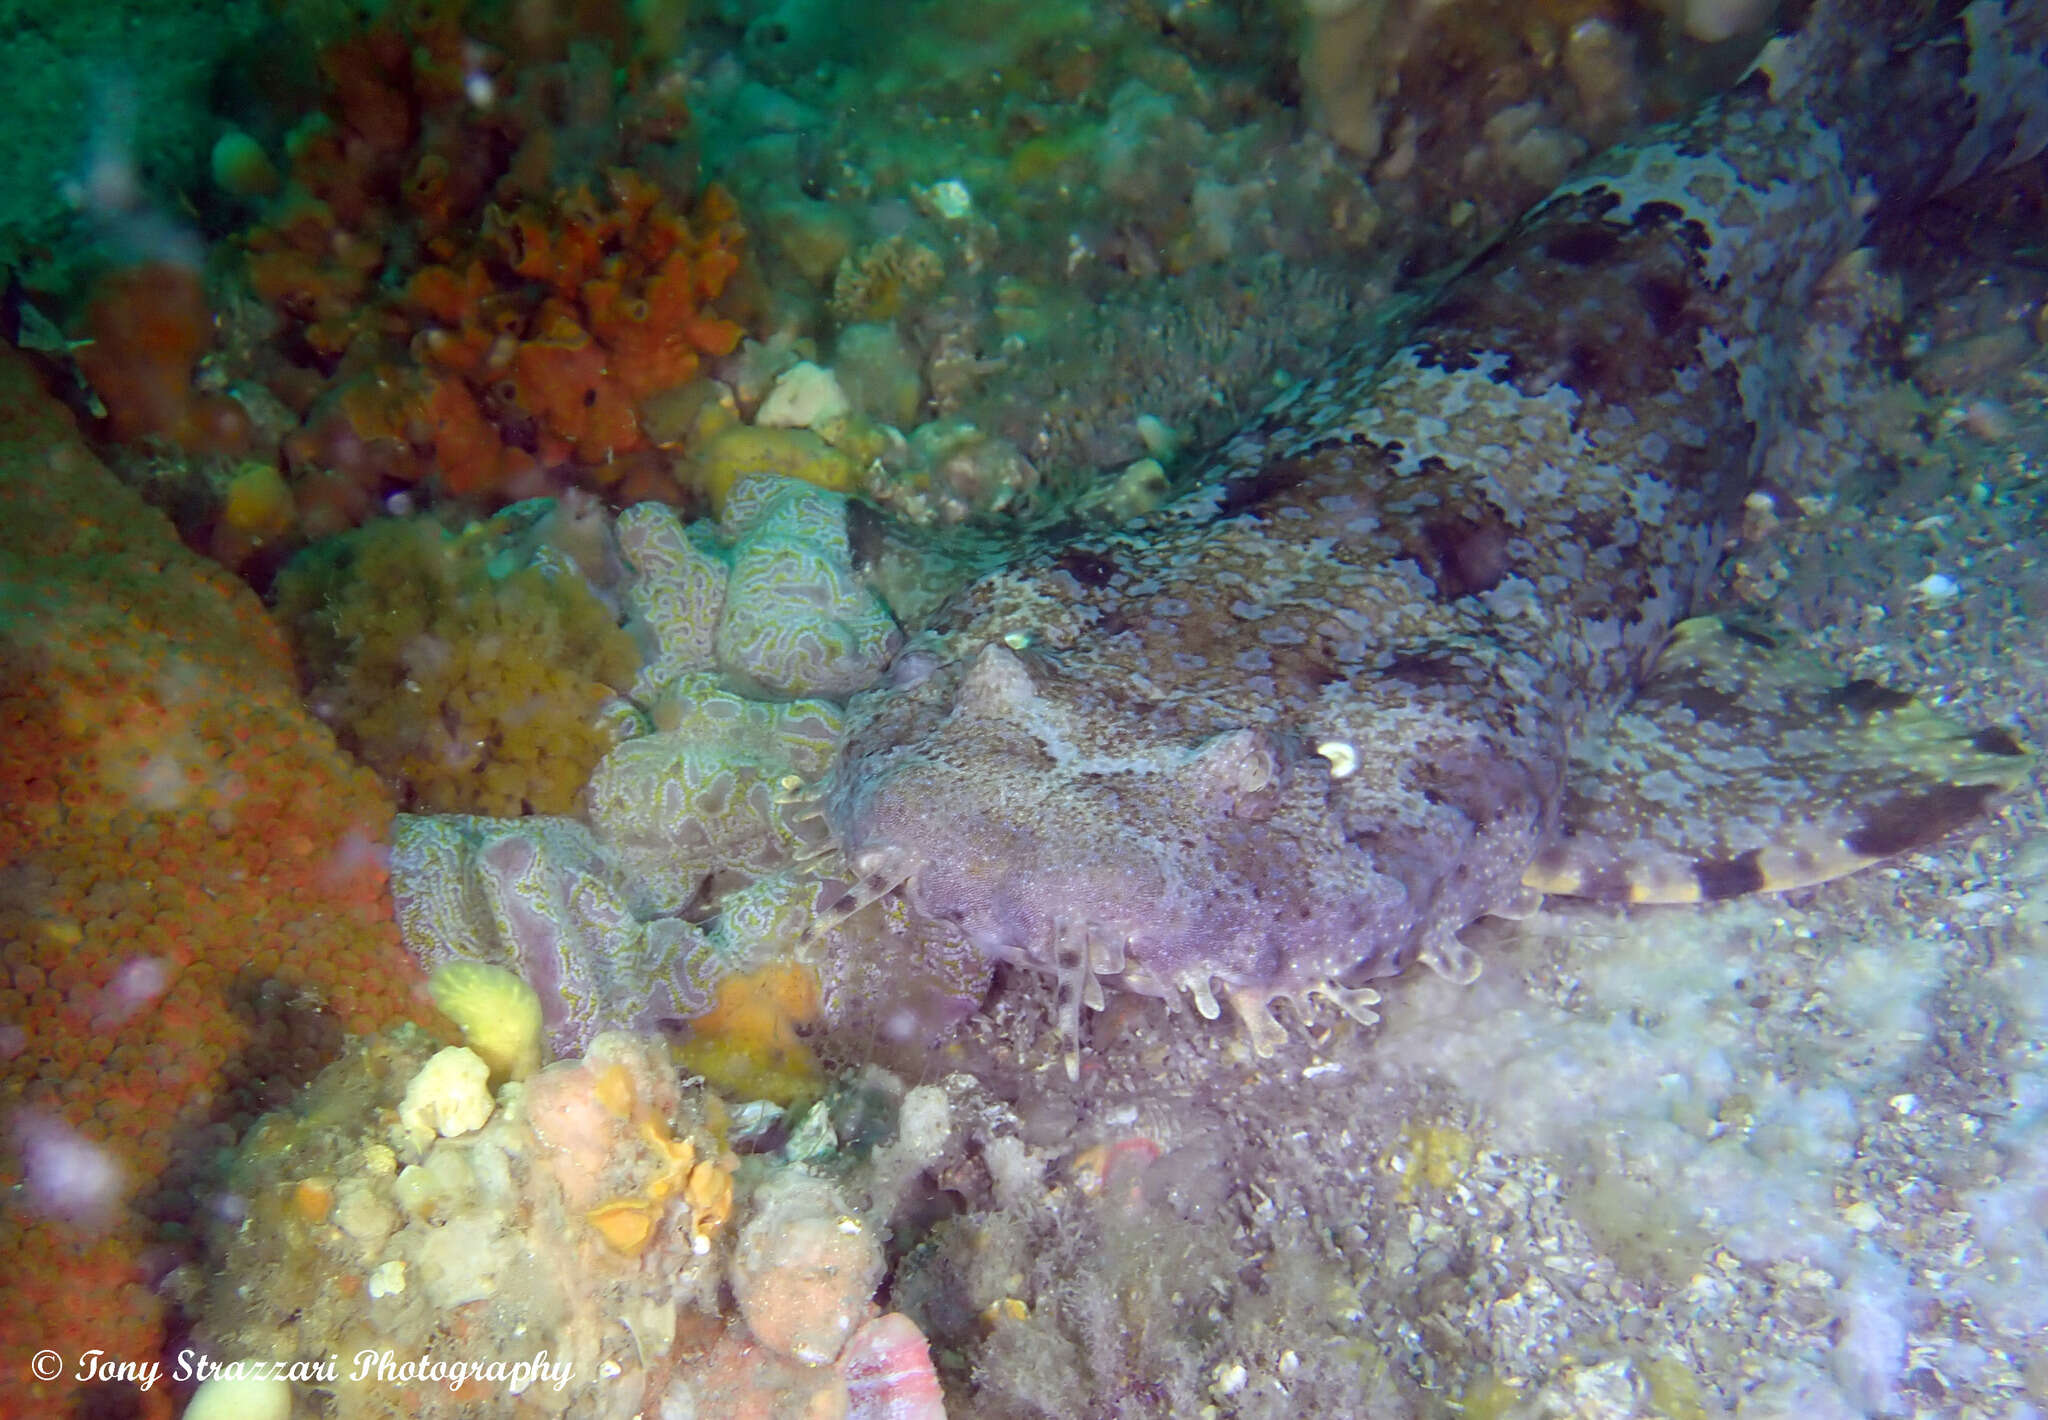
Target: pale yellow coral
449,1096
497,1013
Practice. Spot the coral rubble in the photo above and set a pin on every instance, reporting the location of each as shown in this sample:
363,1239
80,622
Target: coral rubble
572,1216
562,1248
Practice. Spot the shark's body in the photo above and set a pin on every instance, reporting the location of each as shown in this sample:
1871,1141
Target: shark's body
1297,729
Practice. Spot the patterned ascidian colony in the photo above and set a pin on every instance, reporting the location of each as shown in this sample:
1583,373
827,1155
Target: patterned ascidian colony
194,908
1294,731
688,814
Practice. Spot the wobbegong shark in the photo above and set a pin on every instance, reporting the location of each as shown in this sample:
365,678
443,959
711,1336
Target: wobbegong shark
1432,634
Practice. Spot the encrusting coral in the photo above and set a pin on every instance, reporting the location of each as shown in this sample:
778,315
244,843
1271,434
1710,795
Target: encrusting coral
706,796
674,599
699,814
194,905
467,675
578,1214
771,601
591,1217
537,897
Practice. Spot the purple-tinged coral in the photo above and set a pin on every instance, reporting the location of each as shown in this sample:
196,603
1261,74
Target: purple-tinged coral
788,620
709,794
797,621
770,916
538,896
674,599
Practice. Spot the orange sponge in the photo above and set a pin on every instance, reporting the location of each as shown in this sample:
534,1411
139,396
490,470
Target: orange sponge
747,1044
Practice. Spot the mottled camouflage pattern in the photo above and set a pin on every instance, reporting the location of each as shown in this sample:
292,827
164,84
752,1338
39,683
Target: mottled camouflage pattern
1297,729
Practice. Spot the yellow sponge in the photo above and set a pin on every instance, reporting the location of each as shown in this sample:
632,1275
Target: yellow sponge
746,449
498,1014
747,1044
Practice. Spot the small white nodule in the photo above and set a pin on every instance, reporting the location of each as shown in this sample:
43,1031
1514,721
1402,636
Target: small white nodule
1342,756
